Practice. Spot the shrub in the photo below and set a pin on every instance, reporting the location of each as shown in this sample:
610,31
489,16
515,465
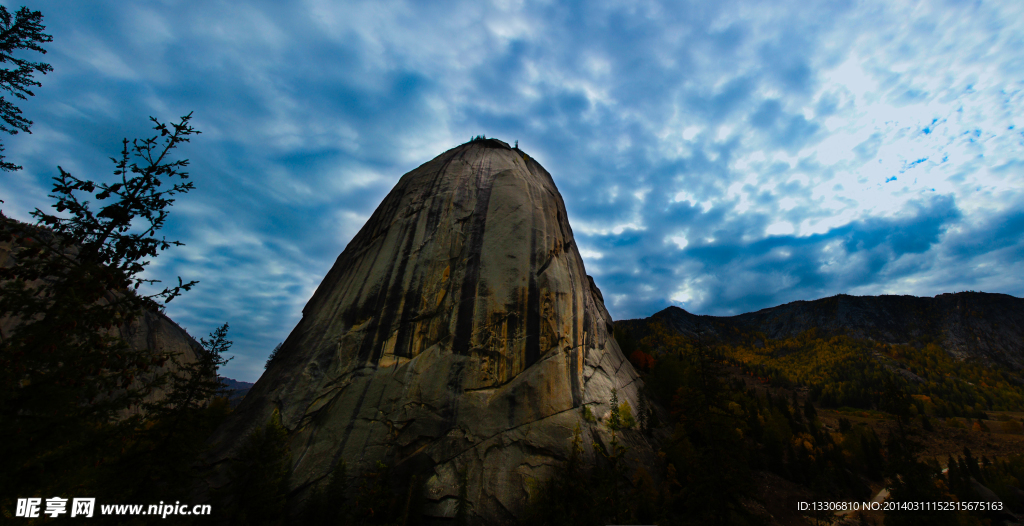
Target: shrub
626,416
641,360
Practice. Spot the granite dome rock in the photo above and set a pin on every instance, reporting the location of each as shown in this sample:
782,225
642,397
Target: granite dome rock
457,332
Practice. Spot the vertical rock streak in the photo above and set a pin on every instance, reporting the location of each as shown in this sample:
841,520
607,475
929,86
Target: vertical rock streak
467,304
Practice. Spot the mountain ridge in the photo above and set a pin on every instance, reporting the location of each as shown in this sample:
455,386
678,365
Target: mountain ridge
988,327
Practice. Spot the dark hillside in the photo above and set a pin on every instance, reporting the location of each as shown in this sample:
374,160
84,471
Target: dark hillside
961,354
848,399
967,325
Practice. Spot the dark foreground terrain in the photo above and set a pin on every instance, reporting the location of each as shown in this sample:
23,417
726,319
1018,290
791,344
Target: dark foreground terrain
846,399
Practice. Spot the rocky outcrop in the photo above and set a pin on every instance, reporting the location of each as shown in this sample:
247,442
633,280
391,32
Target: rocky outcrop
159,334
457,332
151,330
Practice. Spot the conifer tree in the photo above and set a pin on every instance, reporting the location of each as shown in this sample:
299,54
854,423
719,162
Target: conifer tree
462,505
259,477
614,419
67,378
571,495
707,447
809,410
159,462
22,32
327,504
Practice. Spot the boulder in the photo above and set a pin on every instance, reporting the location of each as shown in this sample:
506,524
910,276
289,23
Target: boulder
458,332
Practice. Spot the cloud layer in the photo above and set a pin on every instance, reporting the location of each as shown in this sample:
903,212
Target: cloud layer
720,156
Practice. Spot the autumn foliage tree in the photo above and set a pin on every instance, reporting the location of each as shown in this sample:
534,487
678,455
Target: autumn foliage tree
641,360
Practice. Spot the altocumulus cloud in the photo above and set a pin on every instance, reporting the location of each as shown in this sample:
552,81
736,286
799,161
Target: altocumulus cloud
720,156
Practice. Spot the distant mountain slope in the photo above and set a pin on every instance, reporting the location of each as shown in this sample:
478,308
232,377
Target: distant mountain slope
967,325
235,390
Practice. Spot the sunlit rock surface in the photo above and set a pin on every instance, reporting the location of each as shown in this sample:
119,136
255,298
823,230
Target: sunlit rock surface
457,330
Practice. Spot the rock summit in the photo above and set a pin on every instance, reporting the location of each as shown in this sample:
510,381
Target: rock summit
458,332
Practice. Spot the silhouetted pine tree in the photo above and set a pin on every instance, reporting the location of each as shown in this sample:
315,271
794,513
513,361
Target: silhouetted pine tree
158,462
22,32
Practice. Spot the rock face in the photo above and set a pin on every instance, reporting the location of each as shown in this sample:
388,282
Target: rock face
158,333
151,330
457,331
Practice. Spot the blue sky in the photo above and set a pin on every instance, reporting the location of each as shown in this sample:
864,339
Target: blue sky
720,156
